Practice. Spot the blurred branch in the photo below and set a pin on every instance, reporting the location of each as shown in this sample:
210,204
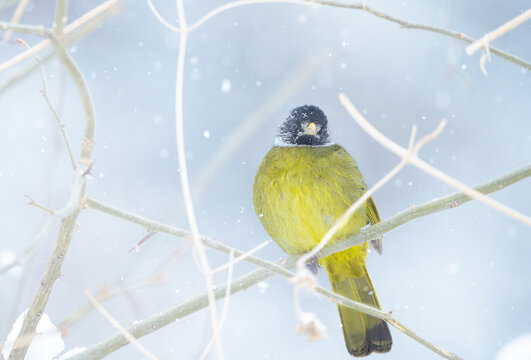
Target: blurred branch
83,25
38,30
427,168
4,4
83,29
19,10
61,14
493,35
106,293
119,327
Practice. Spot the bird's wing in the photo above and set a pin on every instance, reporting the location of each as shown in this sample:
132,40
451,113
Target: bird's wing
374,218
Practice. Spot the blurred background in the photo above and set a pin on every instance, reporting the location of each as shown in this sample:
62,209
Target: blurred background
460,278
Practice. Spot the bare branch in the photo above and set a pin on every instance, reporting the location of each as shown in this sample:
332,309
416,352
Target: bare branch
414,160
33,203
44,93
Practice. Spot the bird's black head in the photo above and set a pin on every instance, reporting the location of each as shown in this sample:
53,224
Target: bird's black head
305,125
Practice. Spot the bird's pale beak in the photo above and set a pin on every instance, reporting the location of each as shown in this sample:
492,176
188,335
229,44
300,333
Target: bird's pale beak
311,129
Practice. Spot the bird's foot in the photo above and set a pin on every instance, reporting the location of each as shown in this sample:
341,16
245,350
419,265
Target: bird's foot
313,265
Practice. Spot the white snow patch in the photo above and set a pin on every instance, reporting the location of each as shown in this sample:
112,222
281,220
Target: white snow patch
45,346
516,349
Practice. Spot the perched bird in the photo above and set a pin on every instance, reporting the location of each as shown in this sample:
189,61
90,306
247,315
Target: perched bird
304,183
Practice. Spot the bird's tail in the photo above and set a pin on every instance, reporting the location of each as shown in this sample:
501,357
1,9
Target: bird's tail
363,333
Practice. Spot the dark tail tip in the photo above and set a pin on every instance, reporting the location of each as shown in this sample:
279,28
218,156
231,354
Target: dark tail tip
378,339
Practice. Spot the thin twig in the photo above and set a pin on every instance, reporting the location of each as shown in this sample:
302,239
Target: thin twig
436,173
119,327
19,10
494,34
37,205
44,93
87,143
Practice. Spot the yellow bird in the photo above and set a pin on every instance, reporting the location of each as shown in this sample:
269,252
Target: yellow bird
305,183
